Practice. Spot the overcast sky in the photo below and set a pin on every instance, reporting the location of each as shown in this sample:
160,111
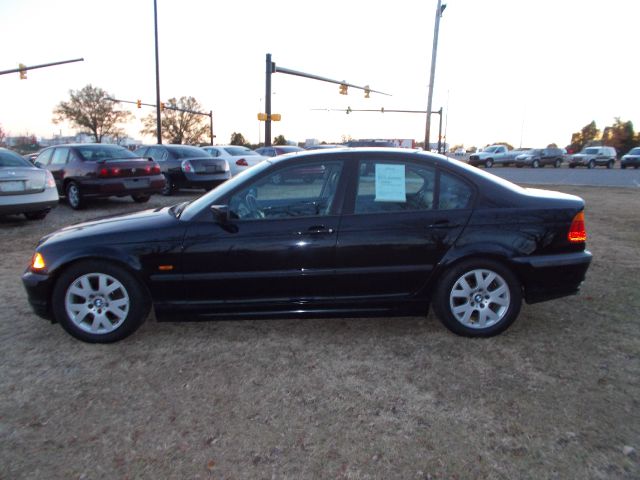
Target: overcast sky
528,72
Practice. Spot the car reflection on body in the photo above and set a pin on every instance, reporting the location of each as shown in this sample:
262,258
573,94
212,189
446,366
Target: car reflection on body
24,188
383,232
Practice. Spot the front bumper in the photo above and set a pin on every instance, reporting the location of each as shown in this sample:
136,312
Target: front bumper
38,287
546,277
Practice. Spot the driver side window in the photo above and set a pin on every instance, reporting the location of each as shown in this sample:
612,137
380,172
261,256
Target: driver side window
299,191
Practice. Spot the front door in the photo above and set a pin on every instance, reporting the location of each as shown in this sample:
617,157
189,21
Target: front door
277,247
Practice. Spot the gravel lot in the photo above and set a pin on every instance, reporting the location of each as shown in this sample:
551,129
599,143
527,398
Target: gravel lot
556,396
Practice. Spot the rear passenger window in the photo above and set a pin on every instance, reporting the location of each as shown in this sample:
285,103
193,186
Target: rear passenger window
454,193
391,187
60,156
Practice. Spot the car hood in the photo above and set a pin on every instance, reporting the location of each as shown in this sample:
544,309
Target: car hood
118,229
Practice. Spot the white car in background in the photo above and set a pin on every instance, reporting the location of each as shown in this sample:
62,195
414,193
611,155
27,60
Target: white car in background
239,158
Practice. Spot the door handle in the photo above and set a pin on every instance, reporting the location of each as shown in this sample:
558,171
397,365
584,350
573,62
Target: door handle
443,224
317,230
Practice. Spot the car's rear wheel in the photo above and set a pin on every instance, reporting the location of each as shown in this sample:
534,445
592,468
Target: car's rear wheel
98,302
488,163
74,196
478,298
168,188
39,215
141,197
535,164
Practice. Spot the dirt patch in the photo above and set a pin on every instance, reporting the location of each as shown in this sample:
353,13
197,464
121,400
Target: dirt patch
556,396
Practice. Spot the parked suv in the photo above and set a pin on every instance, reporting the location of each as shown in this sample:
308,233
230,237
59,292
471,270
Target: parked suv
186,166
539,157
591,157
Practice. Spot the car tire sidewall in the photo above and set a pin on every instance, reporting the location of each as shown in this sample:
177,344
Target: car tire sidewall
168,188
74,196
448,279
138,297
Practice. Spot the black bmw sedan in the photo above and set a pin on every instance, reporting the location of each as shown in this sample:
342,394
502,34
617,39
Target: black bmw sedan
381,232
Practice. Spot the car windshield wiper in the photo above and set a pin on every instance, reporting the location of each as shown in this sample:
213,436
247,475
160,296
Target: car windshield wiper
177,209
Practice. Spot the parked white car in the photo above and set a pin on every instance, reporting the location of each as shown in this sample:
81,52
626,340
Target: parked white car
239,158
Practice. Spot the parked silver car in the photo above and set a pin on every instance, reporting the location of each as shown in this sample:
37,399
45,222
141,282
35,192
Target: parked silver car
25,188
591,157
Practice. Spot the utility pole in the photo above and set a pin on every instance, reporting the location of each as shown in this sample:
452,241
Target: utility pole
158,119
439,9
267,102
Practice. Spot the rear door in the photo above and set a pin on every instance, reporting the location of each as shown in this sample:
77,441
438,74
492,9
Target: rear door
401,220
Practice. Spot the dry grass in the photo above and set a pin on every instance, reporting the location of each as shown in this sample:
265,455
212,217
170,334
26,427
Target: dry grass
556,396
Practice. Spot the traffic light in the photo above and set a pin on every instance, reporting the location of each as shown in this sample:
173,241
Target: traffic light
162,106
139,103
343,88
367,91
23,71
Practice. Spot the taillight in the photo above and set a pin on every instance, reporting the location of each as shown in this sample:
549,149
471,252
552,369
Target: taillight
50,181
242,163
109,172
577,231
152,170
186,166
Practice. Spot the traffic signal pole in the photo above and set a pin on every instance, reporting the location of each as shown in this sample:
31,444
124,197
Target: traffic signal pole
267,102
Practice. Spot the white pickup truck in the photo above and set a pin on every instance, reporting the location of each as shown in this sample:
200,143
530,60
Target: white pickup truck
494,155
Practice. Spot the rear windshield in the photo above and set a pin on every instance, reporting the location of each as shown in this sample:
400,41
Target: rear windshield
95,153
188,152
239,151
10,159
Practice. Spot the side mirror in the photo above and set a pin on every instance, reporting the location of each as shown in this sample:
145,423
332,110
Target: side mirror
220,213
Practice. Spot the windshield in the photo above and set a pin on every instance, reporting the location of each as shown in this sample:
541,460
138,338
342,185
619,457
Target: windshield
188,152
95,153
239,151
215,195
490,149
635,151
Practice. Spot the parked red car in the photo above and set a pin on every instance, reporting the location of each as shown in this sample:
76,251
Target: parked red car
99,170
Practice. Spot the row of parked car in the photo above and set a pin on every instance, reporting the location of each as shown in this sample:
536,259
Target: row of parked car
80,172
590,157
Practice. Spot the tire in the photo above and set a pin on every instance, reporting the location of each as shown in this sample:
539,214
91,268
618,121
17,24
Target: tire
478,298
591,164
557,163
488,163
610,164
535,164
141,197
74,196
168,188
98,302
39,215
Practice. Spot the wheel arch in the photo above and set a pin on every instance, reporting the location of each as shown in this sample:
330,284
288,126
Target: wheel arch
117,258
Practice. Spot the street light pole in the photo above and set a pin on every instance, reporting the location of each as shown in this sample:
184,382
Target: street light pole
439,9
158,119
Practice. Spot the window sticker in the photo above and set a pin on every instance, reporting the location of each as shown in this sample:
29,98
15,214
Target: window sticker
390,183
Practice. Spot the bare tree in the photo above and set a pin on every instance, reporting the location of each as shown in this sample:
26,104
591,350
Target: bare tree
179,126
90,110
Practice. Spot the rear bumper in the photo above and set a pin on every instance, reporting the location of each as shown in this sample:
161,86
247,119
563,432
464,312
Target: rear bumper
546,277
121,187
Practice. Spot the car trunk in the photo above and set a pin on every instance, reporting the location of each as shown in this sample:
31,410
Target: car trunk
17,181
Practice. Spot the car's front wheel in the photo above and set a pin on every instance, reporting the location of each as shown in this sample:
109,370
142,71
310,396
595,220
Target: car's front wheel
557,163
478,298
535,164
99,302
488,163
